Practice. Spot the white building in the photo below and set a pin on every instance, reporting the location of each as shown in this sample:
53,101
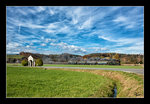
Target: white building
31,61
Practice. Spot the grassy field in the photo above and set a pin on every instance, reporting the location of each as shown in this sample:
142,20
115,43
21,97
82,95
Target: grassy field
128,84
89,66
37,82
97,66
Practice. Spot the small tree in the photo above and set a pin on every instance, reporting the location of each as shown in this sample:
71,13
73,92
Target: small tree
39,62
24,62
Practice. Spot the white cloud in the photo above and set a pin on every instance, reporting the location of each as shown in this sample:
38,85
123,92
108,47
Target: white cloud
49,31
129,21
98,49
120,41
22,11
52,27
120,19
86,24
26,23
50,40
52,12
70,48
65,29
125,21
12,52
15,48
58,27
32,11
136,49
76,14
108,38
40,8
27,46
42,37
43,44
12,45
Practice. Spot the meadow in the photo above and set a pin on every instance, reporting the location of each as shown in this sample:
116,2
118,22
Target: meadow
40,82
96,66
36,82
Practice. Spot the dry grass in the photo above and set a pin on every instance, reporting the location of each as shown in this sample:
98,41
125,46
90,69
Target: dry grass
133,65
126,86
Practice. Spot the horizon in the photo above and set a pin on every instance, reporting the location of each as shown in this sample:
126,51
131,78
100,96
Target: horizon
74,54
78,30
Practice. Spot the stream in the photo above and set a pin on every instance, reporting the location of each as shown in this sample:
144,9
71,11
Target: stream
115,91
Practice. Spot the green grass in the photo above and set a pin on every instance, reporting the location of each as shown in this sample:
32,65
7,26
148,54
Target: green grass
88,66
35,82
97,66
128,84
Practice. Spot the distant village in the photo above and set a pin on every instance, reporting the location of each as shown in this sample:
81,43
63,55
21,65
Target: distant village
82,61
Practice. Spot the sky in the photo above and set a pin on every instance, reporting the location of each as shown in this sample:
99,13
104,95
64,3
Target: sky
75,29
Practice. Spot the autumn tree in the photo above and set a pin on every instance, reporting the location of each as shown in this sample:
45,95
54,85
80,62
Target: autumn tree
116,56
110,55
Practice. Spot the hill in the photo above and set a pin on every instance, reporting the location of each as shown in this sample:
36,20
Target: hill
65,57
124,58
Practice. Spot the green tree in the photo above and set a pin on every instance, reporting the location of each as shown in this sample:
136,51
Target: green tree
24,62
39,62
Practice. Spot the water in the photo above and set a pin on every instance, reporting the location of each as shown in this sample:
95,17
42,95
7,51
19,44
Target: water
115,91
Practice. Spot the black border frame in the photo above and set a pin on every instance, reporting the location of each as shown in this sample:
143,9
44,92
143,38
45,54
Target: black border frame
5,3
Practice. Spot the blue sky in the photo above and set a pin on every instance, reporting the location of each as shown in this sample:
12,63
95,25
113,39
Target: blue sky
75,29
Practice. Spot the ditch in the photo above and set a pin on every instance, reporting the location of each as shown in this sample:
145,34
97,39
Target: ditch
115,91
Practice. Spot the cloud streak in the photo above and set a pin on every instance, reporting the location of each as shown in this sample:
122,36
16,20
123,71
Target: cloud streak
70,48
78,29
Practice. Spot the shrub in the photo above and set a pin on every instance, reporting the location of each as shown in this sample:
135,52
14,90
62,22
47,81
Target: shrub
24,62
39,62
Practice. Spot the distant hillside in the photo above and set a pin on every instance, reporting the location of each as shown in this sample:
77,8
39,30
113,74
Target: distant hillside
65,57
15,56
124,58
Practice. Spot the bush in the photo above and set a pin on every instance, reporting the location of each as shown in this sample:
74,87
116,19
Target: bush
39,62
24,62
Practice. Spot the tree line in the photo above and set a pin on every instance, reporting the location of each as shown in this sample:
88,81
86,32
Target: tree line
65,57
